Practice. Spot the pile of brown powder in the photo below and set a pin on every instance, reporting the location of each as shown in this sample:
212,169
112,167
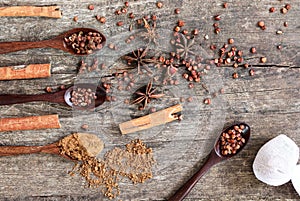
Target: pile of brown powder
135,163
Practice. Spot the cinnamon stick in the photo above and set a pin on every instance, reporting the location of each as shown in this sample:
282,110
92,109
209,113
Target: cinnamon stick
29,123
151,120
31,11
25,71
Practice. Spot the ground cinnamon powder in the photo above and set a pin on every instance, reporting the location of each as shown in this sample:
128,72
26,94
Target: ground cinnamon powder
134,162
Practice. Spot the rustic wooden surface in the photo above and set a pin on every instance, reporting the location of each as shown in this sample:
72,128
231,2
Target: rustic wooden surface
269,101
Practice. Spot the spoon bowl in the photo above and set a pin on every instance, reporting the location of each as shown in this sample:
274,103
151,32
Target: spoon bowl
58,42
216,155
62,97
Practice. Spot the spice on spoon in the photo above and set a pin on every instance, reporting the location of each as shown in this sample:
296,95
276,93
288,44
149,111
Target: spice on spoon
84,43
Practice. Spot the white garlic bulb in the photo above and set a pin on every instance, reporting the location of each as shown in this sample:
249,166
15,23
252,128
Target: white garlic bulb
296,179
276,160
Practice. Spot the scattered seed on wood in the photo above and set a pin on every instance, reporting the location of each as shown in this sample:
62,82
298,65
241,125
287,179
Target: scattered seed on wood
272,9
120,23
285,24
263,59
284,10
159,4
91,7
253,50
225,5
207,101
75,19
180,23
48,89
288,6
251,72
217,17
279,32
177,11
261,24
235,75
230,41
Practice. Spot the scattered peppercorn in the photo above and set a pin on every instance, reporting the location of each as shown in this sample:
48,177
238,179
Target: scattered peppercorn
126,3
272,9
288,6
251,72
263,59
195,32
284,10
91,7
177,29
285,24
230,41
177,11
235,75
180,23
261,24
120,23
75,19
279,47
217,17
159,4
279,32
253,50
225,5
207,101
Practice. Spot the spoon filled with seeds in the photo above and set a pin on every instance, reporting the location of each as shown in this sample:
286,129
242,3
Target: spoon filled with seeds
231,141
82,96
74,147
78,41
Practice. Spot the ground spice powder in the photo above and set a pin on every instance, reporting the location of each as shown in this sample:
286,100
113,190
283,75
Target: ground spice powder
134,162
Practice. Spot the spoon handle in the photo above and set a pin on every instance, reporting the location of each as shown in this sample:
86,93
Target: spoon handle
213,159
6,47
9,99
17,150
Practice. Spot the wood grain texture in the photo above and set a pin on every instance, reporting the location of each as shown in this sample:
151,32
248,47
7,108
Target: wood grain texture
269,101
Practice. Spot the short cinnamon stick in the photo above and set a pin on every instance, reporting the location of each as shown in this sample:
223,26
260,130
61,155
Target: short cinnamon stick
29,123
25,71
151,120
30,11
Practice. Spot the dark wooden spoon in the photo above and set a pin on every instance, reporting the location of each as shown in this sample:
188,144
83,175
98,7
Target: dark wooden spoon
92,143
57,42
213,158
62,97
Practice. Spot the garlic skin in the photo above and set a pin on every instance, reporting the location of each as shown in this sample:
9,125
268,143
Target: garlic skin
276,160
296,179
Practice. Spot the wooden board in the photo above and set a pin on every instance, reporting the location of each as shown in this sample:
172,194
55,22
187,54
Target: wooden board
269,101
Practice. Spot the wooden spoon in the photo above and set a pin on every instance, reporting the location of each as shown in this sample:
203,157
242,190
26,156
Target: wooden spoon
58,42
62,97
92,143
214,157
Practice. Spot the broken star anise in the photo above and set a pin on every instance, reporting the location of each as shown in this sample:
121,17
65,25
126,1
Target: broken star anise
184,46
140,58
145,94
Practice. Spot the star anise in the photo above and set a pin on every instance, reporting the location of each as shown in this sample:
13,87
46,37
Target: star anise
145,94
139,57
150,34
184,46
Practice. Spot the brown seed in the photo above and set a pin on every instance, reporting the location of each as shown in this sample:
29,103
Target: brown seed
120,23
246,65
235,65
48,89
217,17
217,30
153,17
75,19
235,75
91,7
253,50
213,47
251,72
288,6
285,24
177,29
185,32
261,24
180,23
279,47
118,12
272,10
126,3
215,25
279,32
131,15
240,53
284,10
177,11
207,101
195,32
230,41
225,5
102,20
111,46
159,4
263,59
124,10
191,85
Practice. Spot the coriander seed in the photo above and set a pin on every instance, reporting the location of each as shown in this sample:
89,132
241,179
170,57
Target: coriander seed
159,4
177,11
230,41
272,9
91,7
235,75
263,59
